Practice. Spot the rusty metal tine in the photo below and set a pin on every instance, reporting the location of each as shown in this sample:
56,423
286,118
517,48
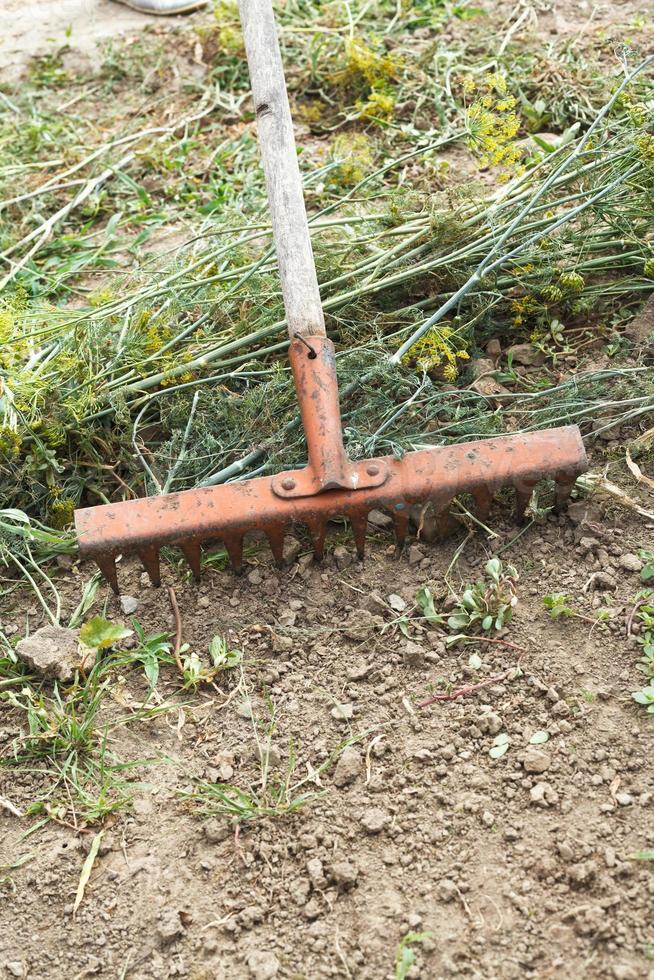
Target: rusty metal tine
275,537
446,524
359,524
523,492
150,559
234,547
483,498
318,532
193,554
562,490
401,527
107,565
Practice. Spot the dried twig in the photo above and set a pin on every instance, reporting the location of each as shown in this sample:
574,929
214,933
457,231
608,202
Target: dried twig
7,805
467,689
178,629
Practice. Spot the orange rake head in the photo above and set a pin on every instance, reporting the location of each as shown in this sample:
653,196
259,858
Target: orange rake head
330,486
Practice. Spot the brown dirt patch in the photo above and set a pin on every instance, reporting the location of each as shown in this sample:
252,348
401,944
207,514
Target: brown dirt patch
507,886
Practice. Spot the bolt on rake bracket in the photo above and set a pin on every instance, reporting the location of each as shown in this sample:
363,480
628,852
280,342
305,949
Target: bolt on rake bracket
329,468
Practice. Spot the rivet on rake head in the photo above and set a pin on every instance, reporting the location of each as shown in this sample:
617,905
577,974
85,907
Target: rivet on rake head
372,469
288,483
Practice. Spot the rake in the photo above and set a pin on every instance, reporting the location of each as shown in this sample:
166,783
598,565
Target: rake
331,485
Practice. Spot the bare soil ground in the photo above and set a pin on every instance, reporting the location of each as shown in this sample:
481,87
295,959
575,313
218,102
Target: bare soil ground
513,873
38,27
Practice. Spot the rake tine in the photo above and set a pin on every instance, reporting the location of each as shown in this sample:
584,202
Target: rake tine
401,527
275,537
562,490
318,532
234,547
445,523
150,558
359,525
193,554
523,494
107,565
483,498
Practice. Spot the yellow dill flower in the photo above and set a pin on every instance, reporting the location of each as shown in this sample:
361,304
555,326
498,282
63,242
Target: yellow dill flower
463,355
378,106
61,513
450,372
10,443
469,85
496,81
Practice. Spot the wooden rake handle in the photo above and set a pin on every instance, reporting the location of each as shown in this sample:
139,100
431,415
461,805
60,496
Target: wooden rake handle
283,182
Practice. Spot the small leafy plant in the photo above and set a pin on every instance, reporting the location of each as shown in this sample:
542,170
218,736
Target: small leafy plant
647,571
222,658
405,956
646,697
558,606
487,605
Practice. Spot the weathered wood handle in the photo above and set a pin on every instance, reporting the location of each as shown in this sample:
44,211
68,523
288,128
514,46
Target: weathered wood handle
275,129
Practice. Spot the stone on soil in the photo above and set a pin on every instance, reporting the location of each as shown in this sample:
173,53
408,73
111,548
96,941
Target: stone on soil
52,651
525,354
343,712
414,655
263,965
348,767
128,604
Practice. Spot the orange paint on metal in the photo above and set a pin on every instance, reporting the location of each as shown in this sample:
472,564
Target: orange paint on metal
227,513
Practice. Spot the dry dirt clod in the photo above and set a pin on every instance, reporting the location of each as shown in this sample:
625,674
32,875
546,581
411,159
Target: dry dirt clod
52,651
542,794
374,820
216,830
14,968
169,928
316,872
348,767
263,964
536,761
630,563
447,890
342,557
345,874
358,671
